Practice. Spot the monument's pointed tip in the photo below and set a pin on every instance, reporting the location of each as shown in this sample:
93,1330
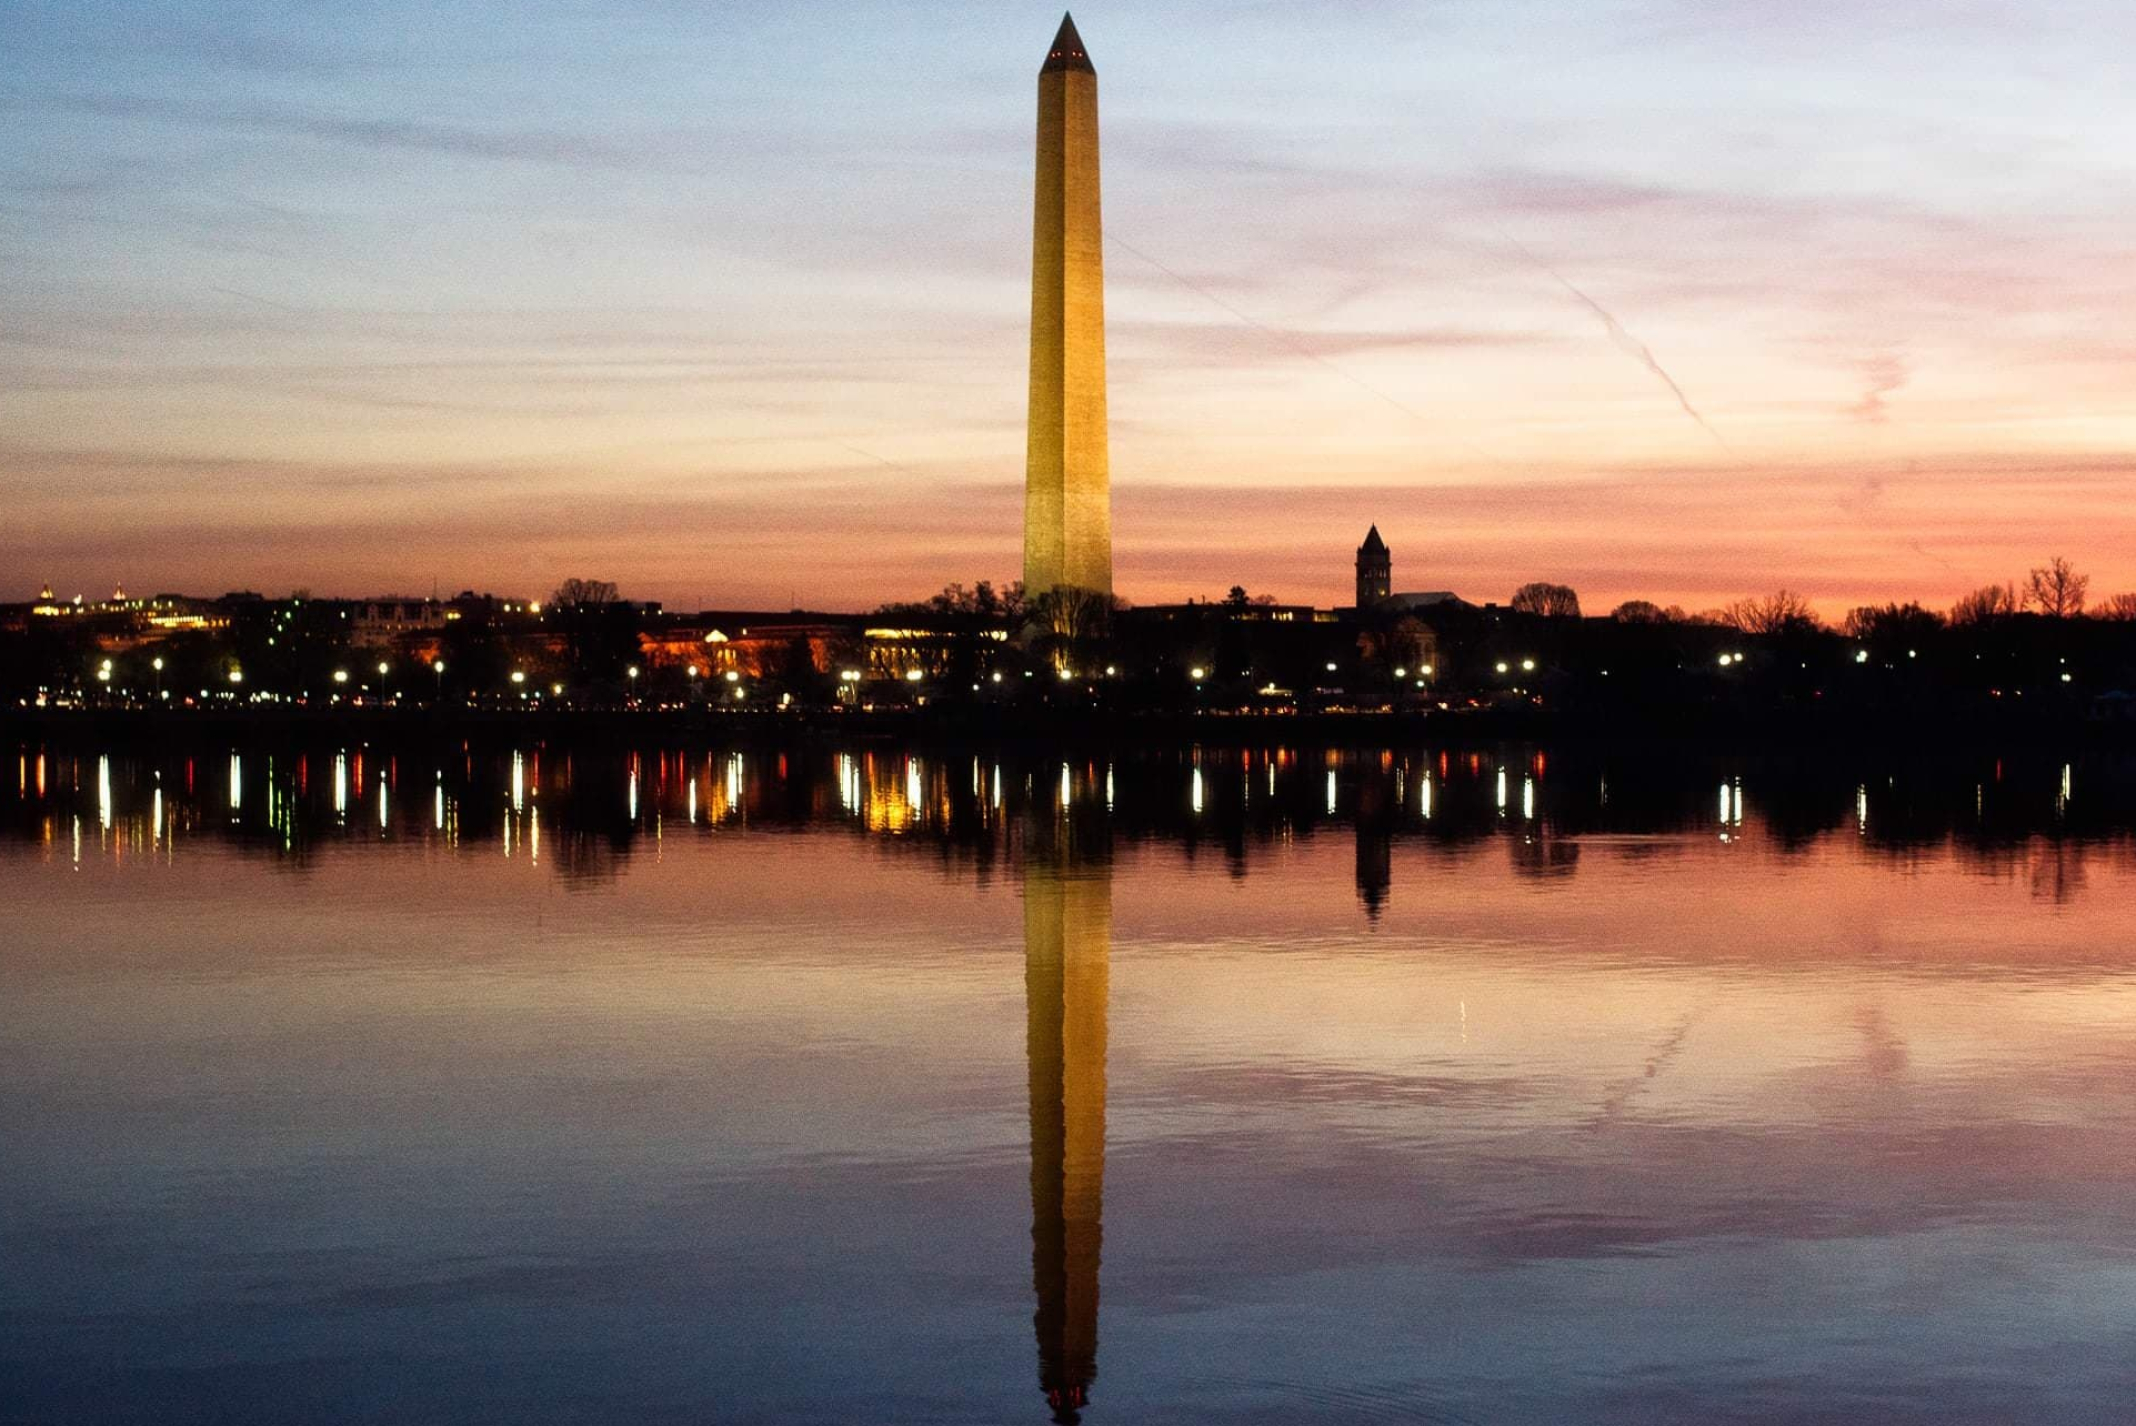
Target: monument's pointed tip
1068,51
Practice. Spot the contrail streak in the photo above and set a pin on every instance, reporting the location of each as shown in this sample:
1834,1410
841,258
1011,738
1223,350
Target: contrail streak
864,452
1625,341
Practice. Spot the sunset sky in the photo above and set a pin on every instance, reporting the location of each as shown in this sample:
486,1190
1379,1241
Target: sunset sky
727,302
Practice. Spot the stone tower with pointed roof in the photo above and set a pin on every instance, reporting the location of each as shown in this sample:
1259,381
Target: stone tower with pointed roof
1375,570
1067,471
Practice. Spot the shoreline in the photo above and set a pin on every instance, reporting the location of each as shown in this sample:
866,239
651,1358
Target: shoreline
1049,728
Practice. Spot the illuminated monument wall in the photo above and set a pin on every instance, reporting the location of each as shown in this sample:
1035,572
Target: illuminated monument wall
1067,475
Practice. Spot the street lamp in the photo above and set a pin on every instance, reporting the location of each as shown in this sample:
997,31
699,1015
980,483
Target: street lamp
156,663
437,666
385,689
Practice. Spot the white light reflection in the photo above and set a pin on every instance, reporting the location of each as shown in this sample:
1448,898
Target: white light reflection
1194,794
381,802
1731,806
912,783
693,802
1424,795
1527,799
997,787
1067,786
437,807
103,792
237,784
1331,792
634,794
155,819
1108,787
519,785
1501,792
341,783
1861,809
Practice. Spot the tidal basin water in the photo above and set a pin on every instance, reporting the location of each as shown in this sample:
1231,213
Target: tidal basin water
847,1084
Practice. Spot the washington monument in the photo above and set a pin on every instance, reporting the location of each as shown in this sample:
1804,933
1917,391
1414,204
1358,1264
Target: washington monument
1067,476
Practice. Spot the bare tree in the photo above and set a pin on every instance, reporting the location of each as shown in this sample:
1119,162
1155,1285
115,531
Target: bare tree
2057,590
1552,601
2120,608
600,631
583,594
1639,611
1781,612
1985,605
1891,621
1073,623
982,601
1412,643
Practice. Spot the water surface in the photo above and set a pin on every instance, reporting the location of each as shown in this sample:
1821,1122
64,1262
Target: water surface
361,1084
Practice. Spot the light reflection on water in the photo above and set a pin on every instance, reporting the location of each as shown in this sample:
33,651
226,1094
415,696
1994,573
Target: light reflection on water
829,1084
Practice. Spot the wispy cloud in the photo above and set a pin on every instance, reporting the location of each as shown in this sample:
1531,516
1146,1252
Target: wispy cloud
521,145
1881,375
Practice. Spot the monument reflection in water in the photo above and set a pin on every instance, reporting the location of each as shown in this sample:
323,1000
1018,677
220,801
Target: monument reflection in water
1067,906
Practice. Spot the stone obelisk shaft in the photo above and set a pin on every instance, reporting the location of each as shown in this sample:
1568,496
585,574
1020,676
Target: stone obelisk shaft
1068,481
